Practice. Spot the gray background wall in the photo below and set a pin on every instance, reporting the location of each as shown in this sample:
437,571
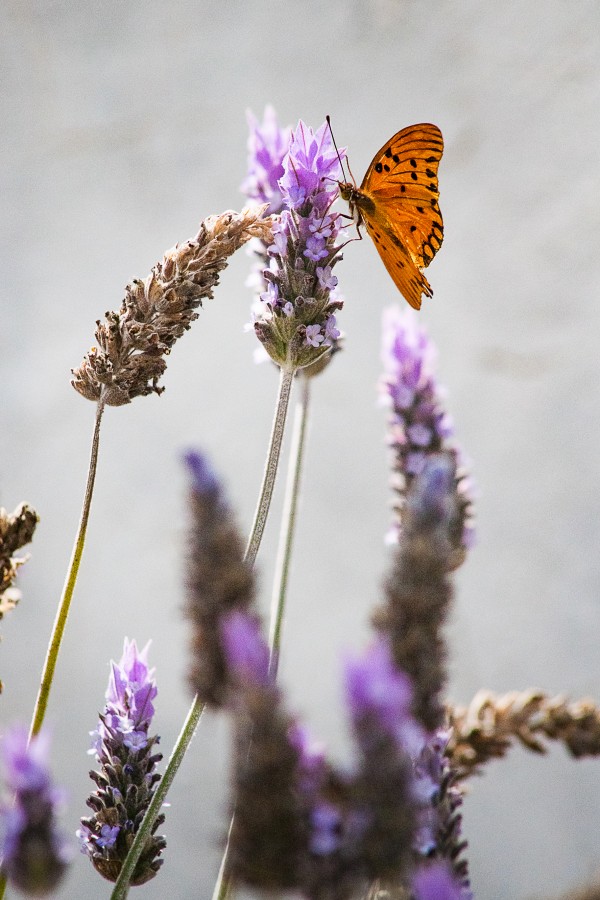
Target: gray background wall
122,126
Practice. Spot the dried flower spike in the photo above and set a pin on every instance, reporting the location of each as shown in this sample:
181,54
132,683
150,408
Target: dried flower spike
133,342
34,854
488,726
127,777
16,530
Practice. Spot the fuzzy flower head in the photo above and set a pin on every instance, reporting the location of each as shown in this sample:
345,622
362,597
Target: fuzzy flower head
34,854
126,778
219,584
295,317
418,425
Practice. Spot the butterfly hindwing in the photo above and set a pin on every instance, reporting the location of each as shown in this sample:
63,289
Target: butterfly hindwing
398,261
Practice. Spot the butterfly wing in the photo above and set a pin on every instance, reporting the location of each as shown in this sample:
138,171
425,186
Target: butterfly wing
397,259
401,209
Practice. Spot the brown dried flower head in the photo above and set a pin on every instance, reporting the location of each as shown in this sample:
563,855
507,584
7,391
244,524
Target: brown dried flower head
16,530
133,343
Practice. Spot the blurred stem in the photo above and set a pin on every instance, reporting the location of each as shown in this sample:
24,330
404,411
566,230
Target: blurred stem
121,888
284,552
70,581
224,888
266,491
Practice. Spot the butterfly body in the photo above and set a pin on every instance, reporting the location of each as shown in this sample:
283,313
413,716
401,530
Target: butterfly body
398,204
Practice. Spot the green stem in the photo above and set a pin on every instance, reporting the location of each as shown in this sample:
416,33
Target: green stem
266,491
224,886
121,888
70,581
284,552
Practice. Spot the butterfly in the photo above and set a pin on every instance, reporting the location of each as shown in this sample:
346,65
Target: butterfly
398,204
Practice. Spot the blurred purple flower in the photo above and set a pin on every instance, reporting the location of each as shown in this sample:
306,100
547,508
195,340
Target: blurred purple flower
34,854
376,688
246,651
268,144
436,882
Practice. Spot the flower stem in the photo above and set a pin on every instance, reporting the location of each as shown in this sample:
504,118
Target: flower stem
284,552
121,888
266,491
70,581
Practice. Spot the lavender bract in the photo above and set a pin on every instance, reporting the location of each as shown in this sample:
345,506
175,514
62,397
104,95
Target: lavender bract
127,777
34,853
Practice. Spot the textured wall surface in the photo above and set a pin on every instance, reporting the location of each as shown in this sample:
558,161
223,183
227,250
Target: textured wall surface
122,126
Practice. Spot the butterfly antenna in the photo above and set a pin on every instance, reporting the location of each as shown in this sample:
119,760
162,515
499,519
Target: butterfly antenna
328,120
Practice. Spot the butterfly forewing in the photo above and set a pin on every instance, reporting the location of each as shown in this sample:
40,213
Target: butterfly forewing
402,184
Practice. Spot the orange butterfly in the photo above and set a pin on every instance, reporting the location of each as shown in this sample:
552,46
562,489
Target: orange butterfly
398,203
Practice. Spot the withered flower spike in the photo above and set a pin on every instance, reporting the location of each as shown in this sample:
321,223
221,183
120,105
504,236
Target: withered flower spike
132,343
16,530
487,728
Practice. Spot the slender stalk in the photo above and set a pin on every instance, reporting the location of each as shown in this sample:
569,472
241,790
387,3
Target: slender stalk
121,888
70,581
224,885
284,552
266,491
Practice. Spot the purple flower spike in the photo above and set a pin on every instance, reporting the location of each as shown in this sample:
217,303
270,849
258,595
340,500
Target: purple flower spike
245,649
418,424
34,854
294,319
126,779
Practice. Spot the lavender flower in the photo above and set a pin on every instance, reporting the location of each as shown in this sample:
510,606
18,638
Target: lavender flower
435,882
267,147
418,424
268,837
440,821
380,698
127,778
219,582
295,320
419,590
34,854
299,823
